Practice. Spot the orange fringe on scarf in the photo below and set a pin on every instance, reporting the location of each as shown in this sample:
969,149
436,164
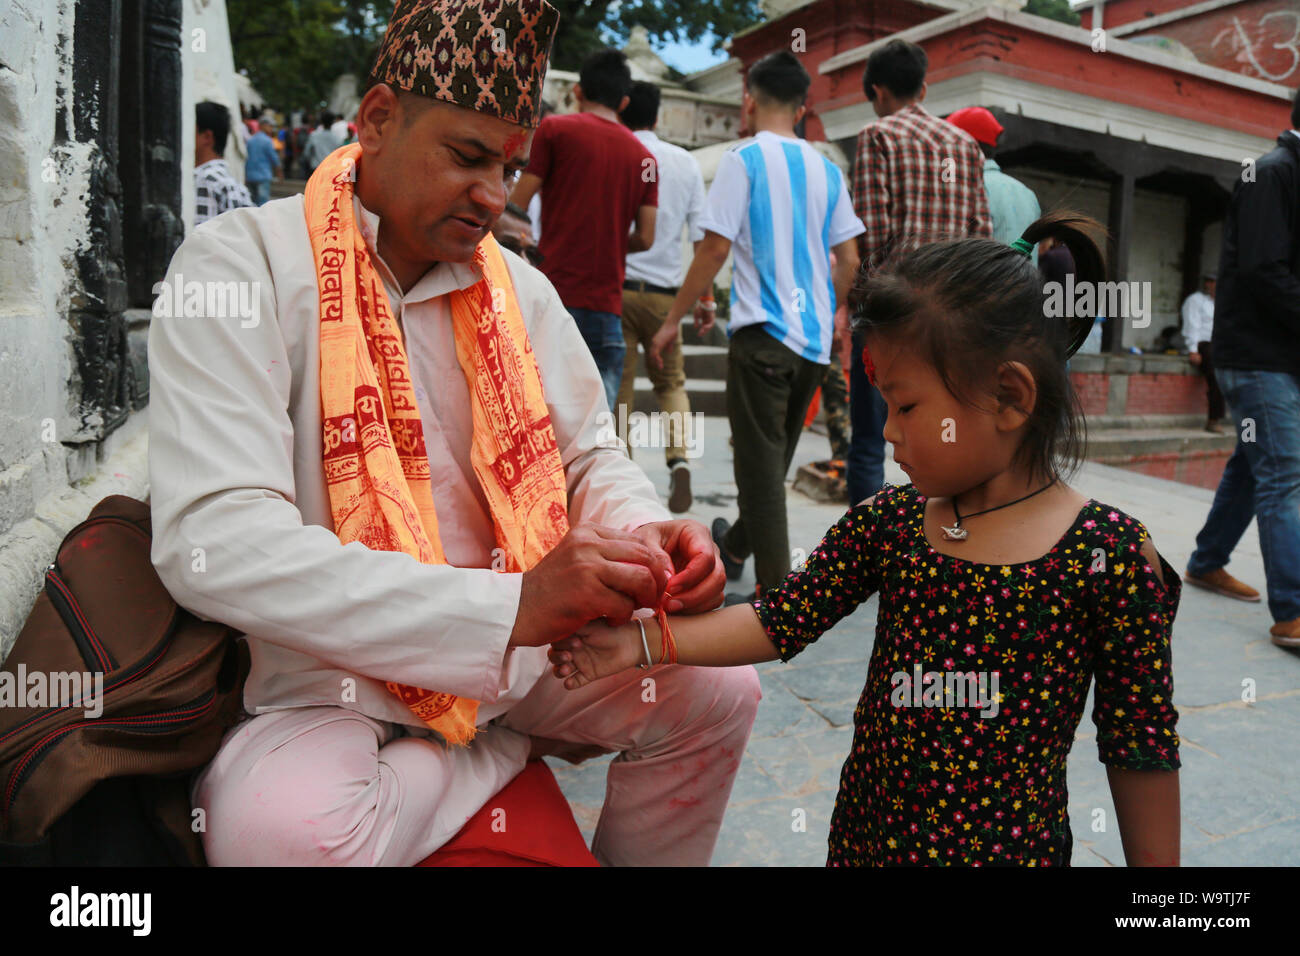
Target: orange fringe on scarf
375,462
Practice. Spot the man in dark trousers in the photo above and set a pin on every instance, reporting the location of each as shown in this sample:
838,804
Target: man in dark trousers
770,193
1257,366
917,179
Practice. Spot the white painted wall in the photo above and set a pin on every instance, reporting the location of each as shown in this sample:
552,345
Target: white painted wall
1069,108
723,81
45,487
687,118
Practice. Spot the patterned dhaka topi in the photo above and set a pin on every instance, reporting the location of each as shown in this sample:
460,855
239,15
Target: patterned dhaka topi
484,55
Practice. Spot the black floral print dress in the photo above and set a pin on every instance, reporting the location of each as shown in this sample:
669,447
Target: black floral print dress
978,680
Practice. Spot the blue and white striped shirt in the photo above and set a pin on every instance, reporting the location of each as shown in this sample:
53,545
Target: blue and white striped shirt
784,206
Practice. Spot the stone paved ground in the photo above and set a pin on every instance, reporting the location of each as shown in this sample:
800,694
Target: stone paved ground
1241,761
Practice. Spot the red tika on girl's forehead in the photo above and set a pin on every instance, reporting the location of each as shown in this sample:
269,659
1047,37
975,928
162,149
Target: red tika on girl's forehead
869,365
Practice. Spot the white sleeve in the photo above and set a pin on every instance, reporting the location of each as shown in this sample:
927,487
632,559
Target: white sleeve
1191,327
229,543
845,223
605,486
695,210
727,205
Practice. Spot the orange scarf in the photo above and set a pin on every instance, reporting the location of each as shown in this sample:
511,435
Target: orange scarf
375,462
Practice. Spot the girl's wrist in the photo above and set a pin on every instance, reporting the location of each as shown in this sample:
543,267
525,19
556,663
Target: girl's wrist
639,641
650,641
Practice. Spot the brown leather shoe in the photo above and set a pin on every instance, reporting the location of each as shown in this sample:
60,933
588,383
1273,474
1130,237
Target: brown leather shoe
1215,426
1221,582
1286,633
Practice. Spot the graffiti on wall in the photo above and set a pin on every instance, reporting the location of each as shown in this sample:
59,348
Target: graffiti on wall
1270,50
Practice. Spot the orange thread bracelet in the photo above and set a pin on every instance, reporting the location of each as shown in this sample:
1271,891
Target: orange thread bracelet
667,644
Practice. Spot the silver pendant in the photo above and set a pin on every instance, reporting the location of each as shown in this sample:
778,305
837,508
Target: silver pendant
955,533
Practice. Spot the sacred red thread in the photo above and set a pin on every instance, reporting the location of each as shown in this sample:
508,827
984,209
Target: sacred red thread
667,644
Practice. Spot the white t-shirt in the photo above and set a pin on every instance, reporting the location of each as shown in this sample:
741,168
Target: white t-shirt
784,206
681,203
1198,319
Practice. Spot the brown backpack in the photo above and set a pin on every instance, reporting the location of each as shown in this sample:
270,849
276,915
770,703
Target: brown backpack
98,773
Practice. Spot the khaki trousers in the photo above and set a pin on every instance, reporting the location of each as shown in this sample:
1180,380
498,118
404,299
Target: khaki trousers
643,316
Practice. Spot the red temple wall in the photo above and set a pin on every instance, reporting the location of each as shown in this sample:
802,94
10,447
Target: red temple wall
1259,39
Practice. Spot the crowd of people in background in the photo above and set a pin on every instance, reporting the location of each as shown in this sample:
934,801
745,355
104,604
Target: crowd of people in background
796,233
274,151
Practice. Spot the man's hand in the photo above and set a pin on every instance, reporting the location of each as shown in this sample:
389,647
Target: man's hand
1194,358
698,579
592,573
704,317
664,341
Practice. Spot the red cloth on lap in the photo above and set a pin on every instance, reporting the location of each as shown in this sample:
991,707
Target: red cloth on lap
536,829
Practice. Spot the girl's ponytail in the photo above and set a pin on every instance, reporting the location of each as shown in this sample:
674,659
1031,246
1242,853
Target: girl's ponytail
969,305
1079,234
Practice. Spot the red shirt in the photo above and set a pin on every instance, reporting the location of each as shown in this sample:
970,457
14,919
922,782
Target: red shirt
595,176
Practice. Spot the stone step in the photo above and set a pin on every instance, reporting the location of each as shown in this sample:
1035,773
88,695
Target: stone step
1192,422
1118,445
1110,438
705,395
702,362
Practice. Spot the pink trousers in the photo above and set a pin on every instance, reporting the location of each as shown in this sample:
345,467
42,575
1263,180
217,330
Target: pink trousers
330,787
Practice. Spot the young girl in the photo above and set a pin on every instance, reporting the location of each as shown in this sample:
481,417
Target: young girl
1003,591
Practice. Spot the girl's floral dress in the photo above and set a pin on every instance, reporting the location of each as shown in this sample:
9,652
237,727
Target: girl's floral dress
952,764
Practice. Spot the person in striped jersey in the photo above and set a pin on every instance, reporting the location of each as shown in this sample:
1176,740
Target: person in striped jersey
780,207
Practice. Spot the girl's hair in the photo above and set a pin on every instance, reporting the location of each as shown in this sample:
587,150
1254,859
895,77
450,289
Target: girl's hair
969,305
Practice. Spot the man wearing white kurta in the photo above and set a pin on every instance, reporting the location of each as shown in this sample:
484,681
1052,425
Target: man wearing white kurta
332,768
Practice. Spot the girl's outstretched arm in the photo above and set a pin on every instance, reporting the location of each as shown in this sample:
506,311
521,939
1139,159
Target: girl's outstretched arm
1146,803
727,637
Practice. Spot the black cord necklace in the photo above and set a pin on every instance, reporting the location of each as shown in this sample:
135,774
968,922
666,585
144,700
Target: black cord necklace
958,533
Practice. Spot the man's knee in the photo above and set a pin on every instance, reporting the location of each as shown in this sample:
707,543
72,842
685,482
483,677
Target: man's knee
286,813
288,826
724,698
742,690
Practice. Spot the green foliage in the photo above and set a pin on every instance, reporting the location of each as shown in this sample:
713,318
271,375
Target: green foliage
1053,10
293,50
586,27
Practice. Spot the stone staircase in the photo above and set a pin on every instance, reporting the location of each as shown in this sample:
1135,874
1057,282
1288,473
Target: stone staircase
706,373
1176,447
1118,436
1168,445
1116,391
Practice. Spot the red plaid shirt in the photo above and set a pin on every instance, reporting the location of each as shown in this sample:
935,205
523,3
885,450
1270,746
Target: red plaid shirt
917,179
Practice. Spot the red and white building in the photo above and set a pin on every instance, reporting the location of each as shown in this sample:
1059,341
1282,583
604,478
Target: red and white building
1144,116
1145,124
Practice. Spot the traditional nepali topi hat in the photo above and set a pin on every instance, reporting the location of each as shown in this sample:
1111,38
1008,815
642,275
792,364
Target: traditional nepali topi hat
484,55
